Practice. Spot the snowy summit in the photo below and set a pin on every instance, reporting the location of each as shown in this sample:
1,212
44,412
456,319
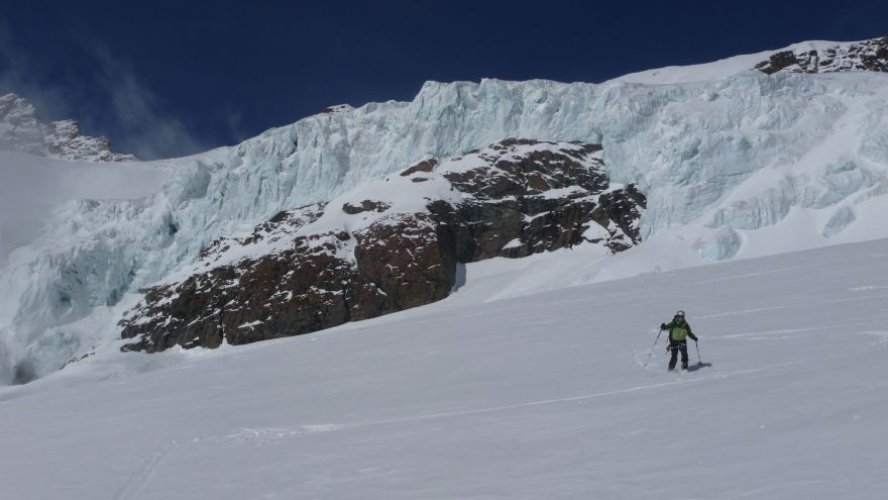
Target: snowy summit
20,130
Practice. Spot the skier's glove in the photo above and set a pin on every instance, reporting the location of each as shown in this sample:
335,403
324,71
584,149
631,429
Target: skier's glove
662,326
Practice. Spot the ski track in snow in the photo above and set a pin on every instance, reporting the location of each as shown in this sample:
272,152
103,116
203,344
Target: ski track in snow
738,313
867,288
139,480
881,337
774,334
263,435
750,275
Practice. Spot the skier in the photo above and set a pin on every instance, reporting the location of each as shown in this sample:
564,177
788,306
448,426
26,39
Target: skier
679,331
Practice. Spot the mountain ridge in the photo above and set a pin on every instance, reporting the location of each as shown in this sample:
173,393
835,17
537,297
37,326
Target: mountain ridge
21,130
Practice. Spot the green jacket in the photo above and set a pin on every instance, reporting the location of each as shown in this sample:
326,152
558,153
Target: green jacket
679,333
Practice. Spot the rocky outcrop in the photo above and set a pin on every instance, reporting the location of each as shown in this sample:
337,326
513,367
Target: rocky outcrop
868,55
315,267
365,206
423,166
538,200
20,130
310,285
64,140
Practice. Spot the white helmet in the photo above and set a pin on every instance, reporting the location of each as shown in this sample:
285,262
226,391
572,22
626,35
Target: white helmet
680,313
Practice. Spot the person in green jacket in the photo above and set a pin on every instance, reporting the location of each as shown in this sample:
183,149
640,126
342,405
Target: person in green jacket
679,331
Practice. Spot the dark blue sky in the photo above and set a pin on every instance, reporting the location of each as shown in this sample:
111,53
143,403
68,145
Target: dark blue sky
167,78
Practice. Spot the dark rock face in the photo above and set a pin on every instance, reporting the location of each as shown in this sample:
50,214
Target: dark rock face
869,55
512,199
777,62
513,213
365,206
307,287
339,108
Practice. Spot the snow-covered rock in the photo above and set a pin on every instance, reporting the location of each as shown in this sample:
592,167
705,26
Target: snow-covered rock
868,55
20,130
804,57
389,245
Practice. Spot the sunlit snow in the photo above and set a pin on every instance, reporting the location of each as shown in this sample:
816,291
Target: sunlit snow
529,381
540,396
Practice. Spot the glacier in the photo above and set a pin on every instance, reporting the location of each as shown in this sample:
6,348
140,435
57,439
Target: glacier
794,160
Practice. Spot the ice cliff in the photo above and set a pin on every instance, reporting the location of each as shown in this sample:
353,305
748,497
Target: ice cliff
720,159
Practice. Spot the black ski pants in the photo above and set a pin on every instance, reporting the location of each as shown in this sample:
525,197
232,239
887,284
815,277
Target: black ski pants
674,349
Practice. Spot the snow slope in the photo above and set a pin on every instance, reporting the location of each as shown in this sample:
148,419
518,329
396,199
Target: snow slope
541,396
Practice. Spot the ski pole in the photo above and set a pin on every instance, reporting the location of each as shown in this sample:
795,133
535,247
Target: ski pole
696,343
652,349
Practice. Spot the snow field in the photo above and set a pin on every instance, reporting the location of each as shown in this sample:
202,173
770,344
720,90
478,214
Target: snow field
538,396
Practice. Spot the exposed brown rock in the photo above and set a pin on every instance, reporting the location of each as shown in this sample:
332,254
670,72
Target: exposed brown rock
405,258
366,206
423,166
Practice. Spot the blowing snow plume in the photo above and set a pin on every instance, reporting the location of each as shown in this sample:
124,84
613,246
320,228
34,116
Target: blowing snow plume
115,102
